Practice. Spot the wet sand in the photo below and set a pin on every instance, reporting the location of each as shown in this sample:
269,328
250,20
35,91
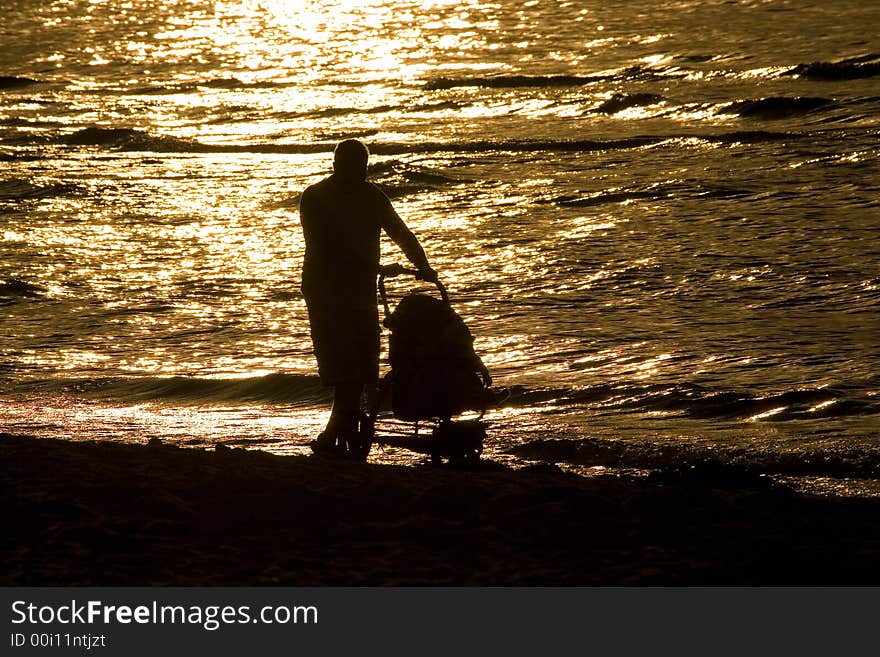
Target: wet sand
113,514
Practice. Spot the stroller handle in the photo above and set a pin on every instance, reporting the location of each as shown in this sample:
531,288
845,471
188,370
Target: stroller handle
391,271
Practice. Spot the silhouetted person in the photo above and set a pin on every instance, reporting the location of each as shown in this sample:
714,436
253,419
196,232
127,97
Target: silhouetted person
342,219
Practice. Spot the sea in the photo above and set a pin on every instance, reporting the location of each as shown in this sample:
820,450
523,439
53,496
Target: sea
659,219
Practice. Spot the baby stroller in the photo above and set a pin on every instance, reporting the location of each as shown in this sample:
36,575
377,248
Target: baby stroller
435,375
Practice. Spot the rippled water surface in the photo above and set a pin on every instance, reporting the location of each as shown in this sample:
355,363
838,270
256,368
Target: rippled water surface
659,219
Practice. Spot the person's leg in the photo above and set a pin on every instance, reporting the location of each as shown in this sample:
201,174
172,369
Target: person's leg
344,414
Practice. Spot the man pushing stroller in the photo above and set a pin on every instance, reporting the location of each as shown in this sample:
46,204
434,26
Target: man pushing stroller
342,219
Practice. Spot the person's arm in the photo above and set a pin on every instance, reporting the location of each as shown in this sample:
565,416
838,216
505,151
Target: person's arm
308,215
403,237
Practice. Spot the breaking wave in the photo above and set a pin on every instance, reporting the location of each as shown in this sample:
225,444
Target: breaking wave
654,192
12,82
13,288
619,102
16,189
776,107
684,400
211,83
852,68
698,402
270,389
514,81
129,139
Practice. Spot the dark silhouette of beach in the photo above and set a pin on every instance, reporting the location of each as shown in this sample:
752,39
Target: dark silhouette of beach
78,513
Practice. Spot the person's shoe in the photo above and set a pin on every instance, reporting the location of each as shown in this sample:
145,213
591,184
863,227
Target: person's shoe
358,451
325,445
359,445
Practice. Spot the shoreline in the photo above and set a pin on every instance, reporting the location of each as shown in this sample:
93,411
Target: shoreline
114,514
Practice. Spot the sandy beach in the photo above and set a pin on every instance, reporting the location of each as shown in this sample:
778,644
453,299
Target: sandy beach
78,513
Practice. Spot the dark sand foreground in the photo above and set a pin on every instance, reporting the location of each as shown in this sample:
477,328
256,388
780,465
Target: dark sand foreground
112,514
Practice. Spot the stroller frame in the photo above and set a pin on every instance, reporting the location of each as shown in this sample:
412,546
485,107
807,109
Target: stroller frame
458,441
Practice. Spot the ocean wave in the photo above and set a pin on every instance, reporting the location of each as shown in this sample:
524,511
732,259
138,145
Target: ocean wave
697,402
683,399
751,137
438,106
516,146
15,287
13,82
776,107
130,139
333,112
806,404
276,388
611,196
654,192
510,81
620,101
19,156
339,135
223,83
16,189
853,68
574,145
522,396
210,83
18,122
398,179
516,81
395,169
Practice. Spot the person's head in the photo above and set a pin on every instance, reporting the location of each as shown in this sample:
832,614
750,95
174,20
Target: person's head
350,160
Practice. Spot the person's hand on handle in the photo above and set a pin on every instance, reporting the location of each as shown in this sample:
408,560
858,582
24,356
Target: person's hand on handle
396,269
428,275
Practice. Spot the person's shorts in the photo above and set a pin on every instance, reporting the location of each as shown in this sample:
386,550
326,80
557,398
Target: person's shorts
345,338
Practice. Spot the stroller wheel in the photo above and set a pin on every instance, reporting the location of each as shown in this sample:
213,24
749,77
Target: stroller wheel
465,457
461,442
